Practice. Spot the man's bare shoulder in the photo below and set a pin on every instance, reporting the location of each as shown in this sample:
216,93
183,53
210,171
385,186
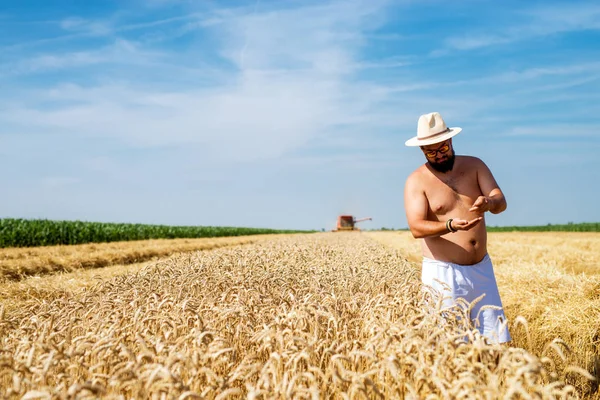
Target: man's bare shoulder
471,161
415,179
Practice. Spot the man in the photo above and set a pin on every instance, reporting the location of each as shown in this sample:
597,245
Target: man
445,201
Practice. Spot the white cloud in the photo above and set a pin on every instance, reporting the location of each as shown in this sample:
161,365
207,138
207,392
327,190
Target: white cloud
468,42
54,182
564,17
93,28
261,116
72,23
119,52
102,164
537,72
288,86
569,131
539,21
321,38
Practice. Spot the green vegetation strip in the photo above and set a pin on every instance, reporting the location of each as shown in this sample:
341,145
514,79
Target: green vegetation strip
582,227
41,232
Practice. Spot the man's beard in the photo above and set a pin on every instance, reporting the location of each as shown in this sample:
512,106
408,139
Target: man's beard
443,166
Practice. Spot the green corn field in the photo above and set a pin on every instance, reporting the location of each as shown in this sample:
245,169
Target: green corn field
41,232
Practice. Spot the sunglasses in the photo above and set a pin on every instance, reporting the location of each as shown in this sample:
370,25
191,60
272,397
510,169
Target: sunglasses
441,150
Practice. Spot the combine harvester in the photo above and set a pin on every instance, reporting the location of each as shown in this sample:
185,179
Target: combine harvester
348,223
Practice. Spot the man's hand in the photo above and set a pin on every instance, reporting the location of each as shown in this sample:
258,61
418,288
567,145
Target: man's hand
463,224
481,205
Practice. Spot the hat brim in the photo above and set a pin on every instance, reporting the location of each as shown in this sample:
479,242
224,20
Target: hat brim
415,141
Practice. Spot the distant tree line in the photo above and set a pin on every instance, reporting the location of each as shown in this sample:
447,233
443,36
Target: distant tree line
568,227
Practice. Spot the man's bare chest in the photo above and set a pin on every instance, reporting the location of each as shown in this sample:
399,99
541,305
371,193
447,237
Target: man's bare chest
448,192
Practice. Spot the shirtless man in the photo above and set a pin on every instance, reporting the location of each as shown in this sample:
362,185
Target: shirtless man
445,201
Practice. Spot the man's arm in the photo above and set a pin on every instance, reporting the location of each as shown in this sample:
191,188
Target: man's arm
415,205
493,199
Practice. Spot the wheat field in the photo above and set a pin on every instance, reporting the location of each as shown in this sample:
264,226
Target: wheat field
552,281
18,263
328,315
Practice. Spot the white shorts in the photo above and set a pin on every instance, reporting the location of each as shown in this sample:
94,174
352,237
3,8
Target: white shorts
469,282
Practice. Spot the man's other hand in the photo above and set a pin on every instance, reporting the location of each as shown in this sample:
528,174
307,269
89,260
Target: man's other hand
481,205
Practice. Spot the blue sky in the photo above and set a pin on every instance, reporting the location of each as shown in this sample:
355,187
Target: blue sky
285,114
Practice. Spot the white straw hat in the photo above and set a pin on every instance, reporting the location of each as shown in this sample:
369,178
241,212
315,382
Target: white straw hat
431,129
